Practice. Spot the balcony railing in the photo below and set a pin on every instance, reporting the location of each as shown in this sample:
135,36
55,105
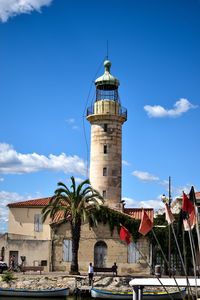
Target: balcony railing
121,111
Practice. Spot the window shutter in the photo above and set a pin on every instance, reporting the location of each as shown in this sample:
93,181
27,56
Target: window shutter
36,223
38,226
67,250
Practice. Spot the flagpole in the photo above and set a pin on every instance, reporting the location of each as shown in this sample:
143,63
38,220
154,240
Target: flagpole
197,230
183,265
170,219
192,247
146,225
152,271
193,259
165,259
169,240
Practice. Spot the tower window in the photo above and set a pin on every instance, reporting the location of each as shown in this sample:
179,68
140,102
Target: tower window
105,149
105,171
105,127
104,194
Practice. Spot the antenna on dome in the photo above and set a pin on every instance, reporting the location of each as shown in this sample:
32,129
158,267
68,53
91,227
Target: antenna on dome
107,50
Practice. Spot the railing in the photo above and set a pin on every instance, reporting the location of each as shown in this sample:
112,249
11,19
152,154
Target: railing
122,111
107,94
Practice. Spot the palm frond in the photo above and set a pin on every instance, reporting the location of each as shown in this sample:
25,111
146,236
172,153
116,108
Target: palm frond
61,191
62,184
80,186
73,186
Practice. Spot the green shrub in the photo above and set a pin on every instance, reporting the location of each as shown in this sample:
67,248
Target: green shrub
7,276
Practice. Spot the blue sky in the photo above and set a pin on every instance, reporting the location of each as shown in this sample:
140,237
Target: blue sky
50,53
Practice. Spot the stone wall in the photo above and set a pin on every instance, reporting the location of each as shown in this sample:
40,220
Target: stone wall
35,251
117,251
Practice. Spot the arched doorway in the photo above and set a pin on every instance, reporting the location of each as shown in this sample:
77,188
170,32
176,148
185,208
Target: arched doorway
100,254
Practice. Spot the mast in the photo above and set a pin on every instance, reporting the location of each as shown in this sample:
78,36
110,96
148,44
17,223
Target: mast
169,241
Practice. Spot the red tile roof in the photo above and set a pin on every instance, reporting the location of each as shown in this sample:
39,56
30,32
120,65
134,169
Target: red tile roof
59,217
197,194
136,213
31,203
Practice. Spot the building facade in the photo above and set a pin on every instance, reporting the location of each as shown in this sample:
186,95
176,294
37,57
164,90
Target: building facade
50,246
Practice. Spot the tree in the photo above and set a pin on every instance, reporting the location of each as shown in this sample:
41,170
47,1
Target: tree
78,204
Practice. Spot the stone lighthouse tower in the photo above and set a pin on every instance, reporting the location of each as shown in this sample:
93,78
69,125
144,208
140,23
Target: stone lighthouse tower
106,117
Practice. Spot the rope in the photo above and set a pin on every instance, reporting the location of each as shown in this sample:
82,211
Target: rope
152,271
84,115
183,265
193,259
165,259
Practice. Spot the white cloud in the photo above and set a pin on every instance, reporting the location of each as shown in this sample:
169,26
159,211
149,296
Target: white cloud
180,107
129,202
178,191
12,162
75,127
10,8
125,163
70,121
5,198
79,180
145,176
132,203
9,197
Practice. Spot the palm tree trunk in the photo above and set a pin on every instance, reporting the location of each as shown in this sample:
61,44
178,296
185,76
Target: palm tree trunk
75,231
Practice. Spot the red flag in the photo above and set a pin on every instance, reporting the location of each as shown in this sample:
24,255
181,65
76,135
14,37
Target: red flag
168,214
187,205
190,222
189,215
125,235
146,224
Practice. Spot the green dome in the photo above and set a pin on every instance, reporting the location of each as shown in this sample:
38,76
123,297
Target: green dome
107,79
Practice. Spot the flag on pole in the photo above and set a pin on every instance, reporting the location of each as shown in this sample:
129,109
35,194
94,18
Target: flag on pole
168,214
146,224
190,222
192,195
187,205
125,235
189,215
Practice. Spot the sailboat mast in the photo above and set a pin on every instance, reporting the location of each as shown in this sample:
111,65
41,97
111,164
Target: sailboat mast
169,234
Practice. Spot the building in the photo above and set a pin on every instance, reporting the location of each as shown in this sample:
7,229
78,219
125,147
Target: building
50,245
106,117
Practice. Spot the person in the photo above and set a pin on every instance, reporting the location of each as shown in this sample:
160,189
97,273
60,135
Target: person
12,262
90,274
114,268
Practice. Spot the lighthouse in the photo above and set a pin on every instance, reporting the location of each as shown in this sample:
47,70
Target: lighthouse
106,117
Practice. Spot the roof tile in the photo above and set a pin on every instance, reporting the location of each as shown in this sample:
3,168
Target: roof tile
136,213
31,203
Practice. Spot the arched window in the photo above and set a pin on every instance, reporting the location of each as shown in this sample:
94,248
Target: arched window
100,254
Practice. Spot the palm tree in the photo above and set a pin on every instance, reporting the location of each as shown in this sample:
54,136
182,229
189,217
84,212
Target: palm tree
78,204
